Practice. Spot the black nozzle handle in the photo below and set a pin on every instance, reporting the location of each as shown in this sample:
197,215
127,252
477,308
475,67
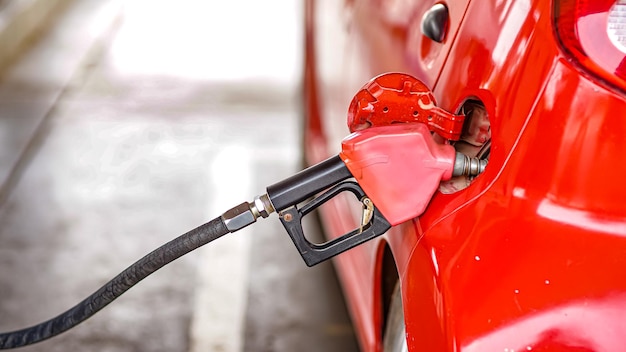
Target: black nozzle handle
307,183
313,253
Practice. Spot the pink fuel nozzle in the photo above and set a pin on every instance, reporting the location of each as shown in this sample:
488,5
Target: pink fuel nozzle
398,166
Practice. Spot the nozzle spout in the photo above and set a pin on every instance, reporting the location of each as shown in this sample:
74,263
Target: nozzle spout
468,166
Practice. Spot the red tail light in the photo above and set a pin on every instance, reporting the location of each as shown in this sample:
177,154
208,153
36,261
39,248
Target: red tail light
593,32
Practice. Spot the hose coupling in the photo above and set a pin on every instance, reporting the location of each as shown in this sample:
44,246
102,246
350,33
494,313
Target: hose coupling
246,213
468,166
262,206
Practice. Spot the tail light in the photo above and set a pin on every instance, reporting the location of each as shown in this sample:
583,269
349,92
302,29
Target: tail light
593,32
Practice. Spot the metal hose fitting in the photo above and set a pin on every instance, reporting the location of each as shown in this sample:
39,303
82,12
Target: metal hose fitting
262,206
246,213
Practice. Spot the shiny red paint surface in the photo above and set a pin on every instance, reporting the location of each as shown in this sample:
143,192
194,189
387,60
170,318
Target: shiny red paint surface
531,256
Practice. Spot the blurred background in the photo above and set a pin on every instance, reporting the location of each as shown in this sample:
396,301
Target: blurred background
123,124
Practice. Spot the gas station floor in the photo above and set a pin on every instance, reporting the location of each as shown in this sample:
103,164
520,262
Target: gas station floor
126,125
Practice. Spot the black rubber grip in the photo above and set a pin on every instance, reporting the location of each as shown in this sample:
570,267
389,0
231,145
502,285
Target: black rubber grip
307,183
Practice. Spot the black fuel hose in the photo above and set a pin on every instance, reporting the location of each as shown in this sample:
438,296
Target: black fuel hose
145,266
280,196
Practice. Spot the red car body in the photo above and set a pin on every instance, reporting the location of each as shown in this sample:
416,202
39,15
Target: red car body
530,256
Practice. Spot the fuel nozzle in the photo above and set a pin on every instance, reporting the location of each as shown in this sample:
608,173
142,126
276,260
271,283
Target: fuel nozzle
397,169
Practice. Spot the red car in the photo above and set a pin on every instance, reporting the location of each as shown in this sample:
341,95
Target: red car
531,254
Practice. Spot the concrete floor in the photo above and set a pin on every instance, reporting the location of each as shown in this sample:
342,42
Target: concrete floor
129,124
